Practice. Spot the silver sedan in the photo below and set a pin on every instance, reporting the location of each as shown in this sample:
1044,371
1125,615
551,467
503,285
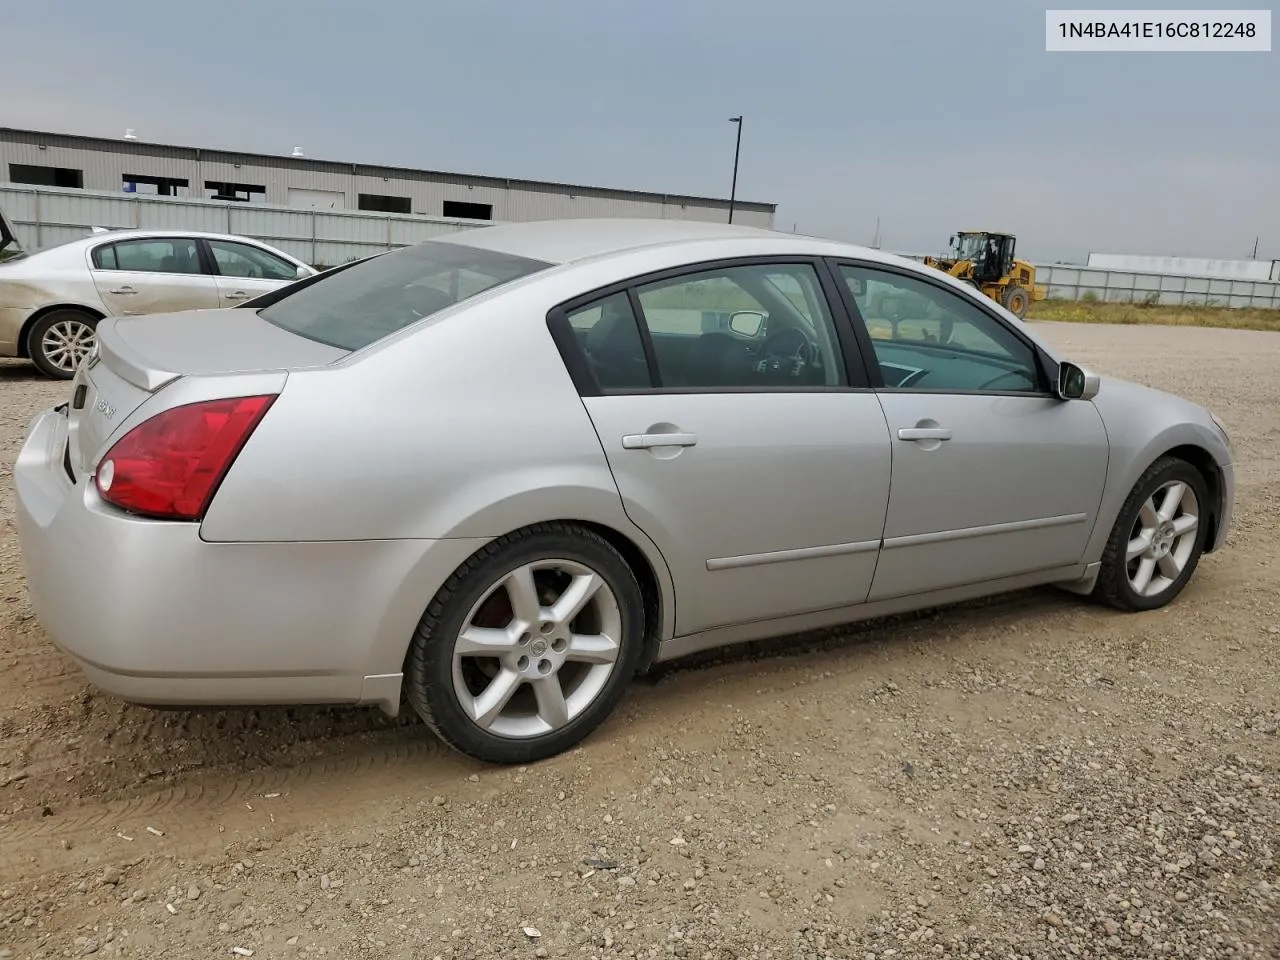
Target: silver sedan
499,473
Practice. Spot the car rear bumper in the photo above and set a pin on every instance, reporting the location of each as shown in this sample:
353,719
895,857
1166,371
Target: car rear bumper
154,614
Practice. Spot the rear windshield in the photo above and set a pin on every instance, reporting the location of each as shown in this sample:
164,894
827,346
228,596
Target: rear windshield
353,306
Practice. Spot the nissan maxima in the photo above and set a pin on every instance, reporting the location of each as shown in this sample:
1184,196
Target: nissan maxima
497,473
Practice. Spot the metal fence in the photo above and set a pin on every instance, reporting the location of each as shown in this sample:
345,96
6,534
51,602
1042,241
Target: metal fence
1067,282
1124,286
48,216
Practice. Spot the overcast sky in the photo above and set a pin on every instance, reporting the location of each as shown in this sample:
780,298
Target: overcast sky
933,116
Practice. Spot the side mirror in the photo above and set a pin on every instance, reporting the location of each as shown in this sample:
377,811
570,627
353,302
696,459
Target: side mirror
1076,383
747,323
304,272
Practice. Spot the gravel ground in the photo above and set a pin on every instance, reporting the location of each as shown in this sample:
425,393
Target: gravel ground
1032,777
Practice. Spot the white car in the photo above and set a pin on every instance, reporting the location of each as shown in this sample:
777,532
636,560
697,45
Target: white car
51,301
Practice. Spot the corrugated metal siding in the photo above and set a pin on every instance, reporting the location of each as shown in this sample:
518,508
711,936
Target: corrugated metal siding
104,169
47,216
276,181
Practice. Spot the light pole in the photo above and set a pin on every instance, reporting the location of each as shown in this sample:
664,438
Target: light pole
733,190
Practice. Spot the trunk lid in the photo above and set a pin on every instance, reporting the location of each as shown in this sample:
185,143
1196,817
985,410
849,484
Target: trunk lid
138,356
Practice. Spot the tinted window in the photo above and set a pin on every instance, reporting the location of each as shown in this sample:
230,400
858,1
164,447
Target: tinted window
929,338
245,260
352,307
610,338
104,258
166,255
763,326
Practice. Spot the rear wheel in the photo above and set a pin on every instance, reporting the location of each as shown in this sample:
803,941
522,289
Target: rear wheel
529,646
1158,538
1015,300
60,340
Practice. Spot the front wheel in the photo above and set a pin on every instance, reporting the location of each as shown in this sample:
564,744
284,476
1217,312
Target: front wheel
1016,300
529,646
1157,539
60,340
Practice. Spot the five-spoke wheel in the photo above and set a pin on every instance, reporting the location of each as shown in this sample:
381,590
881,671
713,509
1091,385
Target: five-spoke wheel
537,649
531,647
1164,537
1157,539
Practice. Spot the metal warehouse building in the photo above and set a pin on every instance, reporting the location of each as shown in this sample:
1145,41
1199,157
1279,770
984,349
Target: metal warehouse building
131,166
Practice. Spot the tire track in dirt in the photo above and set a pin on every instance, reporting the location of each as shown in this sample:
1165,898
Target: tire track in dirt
335,783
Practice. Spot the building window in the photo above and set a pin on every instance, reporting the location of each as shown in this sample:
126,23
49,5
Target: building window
468,211
376,201
155,186
46,176
239,192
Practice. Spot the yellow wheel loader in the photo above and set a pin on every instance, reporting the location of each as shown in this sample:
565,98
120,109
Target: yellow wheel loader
986,260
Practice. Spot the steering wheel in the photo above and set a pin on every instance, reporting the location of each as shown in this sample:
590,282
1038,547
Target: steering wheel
774,357
1020,377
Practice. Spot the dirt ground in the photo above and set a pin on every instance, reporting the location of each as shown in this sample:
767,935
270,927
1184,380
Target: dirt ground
1034,777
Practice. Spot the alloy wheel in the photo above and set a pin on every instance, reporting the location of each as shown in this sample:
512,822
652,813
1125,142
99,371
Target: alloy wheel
537,649
66,344
1163,538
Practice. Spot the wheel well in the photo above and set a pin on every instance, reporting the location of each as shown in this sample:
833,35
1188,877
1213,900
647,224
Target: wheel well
647,579
44,312
1203,461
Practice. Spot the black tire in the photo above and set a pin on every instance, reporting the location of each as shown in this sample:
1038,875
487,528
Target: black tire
1016,300
1113,586
37,348
429,665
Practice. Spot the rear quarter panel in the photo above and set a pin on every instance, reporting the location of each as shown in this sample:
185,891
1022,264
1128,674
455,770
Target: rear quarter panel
469,427
31,286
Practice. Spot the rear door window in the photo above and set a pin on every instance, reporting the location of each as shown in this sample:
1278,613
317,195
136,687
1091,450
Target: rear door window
759,326
609,337
167,255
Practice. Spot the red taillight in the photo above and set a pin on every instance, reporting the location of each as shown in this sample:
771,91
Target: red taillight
168,467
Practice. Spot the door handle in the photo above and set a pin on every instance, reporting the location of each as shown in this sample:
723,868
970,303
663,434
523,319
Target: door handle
238,295
924,433
123,291
647,441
